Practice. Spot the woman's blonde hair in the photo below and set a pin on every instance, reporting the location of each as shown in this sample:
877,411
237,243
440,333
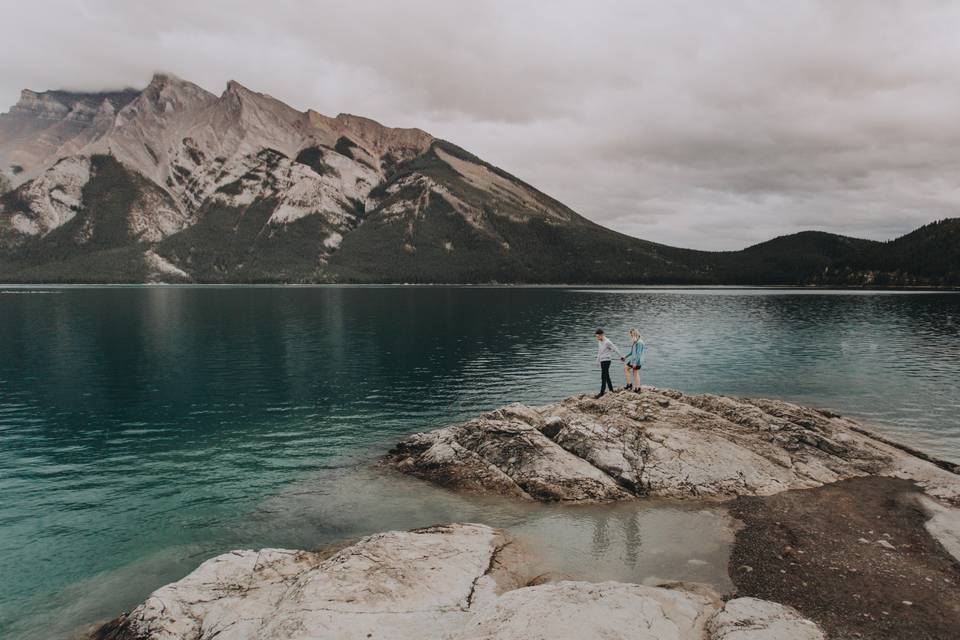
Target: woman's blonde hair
634,335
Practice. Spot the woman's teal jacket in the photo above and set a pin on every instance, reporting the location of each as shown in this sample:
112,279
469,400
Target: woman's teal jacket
635,357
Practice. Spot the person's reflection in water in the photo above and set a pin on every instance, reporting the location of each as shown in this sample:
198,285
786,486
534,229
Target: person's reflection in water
601,537
631,536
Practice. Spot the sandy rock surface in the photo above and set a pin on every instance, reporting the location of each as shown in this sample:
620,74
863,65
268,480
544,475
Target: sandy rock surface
659,443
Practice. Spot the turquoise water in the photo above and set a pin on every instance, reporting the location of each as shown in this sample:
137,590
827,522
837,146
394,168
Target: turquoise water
145,429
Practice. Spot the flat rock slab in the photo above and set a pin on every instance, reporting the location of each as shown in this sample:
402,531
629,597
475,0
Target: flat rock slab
859,557
755,619
660,443
389,585
452,582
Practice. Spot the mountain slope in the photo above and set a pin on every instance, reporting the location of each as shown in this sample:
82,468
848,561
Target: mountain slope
447,212
44,127
928,255
793,259
175,183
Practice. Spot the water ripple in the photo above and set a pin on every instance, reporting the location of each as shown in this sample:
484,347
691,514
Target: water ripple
142,429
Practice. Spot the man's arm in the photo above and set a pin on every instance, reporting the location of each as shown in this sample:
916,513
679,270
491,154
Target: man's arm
614,347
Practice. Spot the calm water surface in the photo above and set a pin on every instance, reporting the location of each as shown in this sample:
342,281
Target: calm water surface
145,429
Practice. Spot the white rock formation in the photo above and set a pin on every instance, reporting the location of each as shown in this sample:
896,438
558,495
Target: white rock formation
660,443
451,582
159,269
754,619
391,585
54,198
943,525
588,611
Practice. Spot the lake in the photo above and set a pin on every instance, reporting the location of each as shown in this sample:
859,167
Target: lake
145,429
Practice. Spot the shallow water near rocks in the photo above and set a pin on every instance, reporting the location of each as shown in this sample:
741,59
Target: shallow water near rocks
648,542
146,429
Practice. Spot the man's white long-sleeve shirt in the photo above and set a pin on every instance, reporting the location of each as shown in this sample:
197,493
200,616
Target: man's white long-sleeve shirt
606,349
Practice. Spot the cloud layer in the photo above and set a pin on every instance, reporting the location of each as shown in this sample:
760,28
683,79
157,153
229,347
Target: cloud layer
711,125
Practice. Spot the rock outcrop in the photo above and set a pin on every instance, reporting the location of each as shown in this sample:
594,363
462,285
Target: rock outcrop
452,582
660,443
755,619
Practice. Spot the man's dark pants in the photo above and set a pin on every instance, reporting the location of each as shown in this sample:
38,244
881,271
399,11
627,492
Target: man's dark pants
605,380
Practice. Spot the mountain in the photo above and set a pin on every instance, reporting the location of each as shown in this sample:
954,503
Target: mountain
930,254
174,183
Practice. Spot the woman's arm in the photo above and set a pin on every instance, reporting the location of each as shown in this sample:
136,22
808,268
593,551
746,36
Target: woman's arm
614,347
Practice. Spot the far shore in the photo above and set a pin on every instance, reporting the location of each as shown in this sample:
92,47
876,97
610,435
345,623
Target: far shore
374,285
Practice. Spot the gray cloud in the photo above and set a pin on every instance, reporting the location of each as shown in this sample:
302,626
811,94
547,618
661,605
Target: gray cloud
712,125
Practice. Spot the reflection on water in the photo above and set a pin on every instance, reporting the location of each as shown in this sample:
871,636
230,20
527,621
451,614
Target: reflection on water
645,542
144,429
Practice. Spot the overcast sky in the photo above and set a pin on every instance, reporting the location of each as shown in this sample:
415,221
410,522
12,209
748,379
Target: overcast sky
703,124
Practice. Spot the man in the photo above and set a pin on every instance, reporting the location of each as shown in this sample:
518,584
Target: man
605,351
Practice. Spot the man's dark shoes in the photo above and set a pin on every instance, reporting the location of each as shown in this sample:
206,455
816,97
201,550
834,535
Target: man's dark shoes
598,396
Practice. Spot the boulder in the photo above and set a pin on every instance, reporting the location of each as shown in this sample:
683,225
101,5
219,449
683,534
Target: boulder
660,443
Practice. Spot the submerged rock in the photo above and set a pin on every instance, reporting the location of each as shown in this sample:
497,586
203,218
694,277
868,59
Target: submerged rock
659,443
452,582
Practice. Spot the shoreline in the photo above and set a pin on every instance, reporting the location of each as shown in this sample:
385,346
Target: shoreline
789,538
486,285
857,556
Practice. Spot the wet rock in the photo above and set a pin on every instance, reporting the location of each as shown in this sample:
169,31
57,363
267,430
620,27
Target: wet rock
671,445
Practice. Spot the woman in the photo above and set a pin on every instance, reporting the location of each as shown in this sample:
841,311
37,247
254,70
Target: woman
634,360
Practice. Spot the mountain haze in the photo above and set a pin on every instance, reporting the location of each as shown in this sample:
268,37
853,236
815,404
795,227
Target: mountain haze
176,184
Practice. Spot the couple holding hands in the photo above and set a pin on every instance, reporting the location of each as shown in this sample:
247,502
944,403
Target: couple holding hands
632,362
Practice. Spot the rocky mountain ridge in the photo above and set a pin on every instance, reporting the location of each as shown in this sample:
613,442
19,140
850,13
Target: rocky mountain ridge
174,183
